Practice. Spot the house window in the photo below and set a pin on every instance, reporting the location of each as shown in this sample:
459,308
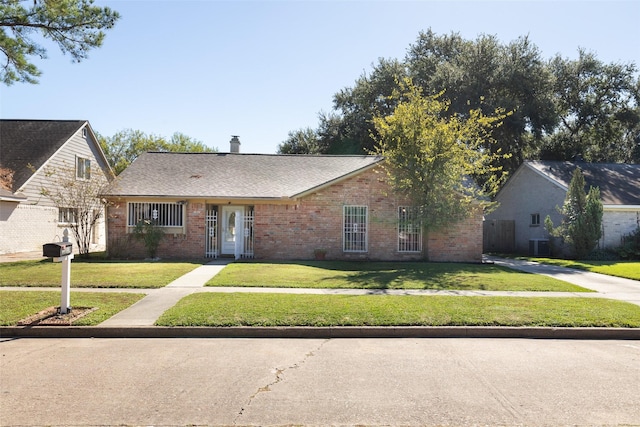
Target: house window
162,214
67,215
409,230
535,220
83,168
84,132
355,221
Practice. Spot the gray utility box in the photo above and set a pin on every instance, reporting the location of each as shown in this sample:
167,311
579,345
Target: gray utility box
57,249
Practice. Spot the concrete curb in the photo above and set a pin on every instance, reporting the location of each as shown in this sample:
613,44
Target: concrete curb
319,332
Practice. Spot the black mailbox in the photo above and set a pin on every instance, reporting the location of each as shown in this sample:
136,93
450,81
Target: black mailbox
57,249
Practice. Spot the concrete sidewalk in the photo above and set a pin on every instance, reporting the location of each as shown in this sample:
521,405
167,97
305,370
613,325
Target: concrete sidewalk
146,311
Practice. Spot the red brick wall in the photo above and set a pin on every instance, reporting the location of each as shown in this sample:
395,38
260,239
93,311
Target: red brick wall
187,246
461,242
293,231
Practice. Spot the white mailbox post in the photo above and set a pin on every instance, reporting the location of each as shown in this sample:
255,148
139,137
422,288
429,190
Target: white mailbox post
62,252
65,297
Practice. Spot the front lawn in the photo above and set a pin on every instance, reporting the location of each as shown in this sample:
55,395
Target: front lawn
626,269
386,275
105,274
17,305
247,309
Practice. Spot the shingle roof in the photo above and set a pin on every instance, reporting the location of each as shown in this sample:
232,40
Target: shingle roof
32,142
233,175
619,183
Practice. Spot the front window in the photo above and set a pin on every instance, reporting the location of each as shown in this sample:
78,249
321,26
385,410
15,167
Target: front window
355,221
409,230
162,214
83,168
67,215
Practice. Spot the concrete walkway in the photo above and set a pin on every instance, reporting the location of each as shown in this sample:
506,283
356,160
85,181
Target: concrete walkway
606,286
146,311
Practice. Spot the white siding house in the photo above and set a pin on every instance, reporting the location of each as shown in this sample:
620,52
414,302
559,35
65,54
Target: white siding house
30,151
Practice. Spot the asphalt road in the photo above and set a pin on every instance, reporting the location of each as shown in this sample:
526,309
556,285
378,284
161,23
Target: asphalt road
441,382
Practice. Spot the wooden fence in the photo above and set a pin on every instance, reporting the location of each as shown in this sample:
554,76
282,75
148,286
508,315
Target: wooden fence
499,235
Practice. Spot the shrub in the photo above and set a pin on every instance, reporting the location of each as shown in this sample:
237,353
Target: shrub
151,234
630,248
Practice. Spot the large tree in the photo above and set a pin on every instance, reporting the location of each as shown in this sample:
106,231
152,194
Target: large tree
480,74
560,108
76,26
126,145
598,107
432,155
302,141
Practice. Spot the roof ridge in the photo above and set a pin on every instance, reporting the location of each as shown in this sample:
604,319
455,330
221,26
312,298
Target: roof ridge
226,153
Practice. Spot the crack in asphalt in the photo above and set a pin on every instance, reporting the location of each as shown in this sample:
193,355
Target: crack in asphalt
279,372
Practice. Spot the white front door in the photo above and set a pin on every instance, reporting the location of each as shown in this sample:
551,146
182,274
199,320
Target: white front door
230,217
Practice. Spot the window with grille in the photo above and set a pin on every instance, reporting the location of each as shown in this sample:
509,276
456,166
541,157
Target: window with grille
162,214
409,230
355,221
83,168
67,215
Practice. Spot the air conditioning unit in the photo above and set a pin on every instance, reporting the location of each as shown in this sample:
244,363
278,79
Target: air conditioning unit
539,247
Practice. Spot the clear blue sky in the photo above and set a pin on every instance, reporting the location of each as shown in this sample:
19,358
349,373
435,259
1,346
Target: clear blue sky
260,69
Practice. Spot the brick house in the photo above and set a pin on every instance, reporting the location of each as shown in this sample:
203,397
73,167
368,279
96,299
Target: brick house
538,187
275,207
31,151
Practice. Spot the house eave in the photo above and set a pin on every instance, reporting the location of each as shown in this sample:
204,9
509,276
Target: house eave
621,207
15,198
204,199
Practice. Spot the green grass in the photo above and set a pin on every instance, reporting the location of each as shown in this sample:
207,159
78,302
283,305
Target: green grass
17,305
626,269
386,275
247,309
94,274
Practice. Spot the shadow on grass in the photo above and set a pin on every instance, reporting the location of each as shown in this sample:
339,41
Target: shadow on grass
411,274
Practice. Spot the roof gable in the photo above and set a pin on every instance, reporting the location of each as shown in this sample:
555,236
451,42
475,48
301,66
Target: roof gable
619,183
234,175
26,145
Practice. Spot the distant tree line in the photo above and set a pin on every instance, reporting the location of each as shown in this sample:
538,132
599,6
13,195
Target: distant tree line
126,145
559,108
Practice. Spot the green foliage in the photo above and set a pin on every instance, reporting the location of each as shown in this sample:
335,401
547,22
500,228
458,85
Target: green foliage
582,217
630,248
560,107
302,141
76,26
431,155
126,145
598,108
151,235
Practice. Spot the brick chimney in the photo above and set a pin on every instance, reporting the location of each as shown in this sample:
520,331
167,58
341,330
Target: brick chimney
234,144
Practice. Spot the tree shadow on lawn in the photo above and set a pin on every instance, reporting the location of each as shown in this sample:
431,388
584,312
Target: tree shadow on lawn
413,275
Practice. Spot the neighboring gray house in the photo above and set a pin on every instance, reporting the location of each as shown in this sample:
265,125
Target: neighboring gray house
537,188
29,151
